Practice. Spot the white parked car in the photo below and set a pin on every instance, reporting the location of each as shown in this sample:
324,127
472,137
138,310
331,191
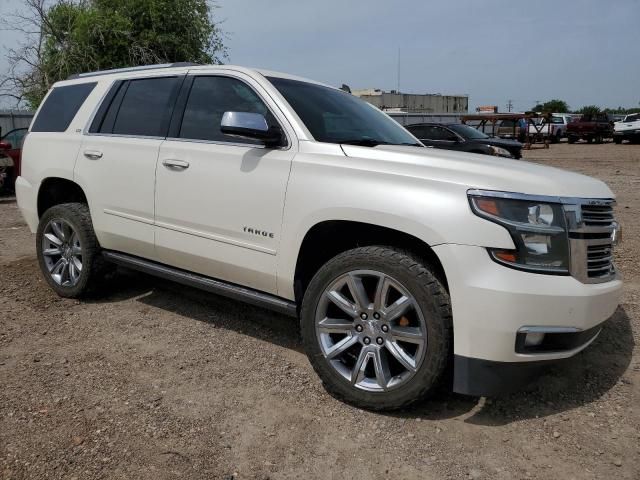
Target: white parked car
285,193
627,129
555,130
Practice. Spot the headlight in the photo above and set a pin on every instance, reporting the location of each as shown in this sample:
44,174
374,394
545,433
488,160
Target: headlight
538,230
500,152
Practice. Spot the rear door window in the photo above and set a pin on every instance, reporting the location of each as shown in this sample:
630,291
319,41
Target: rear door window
145,108
417,131
61,106
434,133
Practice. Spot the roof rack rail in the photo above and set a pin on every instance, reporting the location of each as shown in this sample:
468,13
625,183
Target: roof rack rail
132,69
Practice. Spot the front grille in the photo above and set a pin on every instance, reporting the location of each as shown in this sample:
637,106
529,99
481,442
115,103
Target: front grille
597,215
592,234
599,260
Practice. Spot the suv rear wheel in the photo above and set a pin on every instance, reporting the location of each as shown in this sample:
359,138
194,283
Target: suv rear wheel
376,325
68,250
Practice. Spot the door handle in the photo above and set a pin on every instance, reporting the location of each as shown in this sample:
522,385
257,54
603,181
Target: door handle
173,164
93,154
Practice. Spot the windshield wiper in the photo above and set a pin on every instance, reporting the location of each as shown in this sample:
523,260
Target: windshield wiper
370,142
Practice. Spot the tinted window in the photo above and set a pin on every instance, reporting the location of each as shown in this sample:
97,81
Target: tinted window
210,98
419,131
468,132
15,137
145,108
437,133
61,106
335,116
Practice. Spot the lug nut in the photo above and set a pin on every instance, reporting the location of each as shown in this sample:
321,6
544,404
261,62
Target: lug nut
358,328
376,316
379,340
385,328
363,316
366,340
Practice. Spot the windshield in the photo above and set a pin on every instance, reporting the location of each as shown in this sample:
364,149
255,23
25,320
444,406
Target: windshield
467,132
334,116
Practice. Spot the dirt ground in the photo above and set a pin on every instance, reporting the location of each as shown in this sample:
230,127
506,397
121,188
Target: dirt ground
153,380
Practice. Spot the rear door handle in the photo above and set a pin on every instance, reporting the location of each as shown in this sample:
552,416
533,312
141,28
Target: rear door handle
93,154
174,164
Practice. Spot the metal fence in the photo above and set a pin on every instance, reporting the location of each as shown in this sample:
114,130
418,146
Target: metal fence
10,119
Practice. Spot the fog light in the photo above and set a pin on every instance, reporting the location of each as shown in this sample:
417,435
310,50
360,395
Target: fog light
533,339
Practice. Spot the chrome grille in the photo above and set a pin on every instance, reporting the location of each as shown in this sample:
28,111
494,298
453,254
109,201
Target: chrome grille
597,215
599,260
592,229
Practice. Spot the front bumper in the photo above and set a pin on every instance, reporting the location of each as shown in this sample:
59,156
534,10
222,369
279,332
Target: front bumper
491,303
627,133
26,196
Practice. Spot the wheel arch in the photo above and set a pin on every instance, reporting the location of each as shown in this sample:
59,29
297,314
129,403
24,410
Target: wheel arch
328,238
56,190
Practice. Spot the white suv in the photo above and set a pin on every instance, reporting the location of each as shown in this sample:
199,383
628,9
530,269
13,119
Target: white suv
400,261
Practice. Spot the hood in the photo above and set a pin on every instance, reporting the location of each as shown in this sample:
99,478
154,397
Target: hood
624,126
478,171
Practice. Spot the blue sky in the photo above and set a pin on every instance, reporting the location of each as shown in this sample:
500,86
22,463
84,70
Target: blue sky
582,51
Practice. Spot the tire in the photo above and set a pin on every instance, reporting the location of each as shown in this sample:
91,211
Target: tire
617,140
572,139
429,315
72,219
556,138
598,139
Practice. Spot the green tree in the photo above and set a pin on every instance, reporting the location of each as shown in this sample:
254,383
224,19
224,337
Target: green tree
557,106
84,35
589,110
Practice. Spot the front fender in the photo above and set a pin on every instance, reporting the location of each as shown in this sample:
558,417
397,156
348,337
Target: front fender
325,188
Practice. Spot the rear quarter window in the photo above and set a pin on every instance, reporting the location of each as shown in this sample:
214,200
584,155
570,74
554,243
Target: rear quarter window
61,106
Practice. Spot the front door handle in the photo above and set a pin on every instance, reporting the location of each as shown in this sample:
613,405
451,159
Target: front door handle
173,164
93,154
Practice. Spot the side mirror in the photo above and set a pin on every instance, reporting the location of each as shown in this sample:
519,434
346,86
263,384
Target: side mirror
250,125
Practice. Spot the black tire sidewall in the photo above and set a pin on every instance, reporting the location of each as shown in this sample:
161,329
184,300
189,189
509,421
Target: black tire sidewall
421,286
73,214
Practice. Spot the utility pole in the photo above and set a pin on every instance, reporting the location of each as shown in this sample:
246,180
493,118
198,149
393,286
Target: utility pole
509,105
398,70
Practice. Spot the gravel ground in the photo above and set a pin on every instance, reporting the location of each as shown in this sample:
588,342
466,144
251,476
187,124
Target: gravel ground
155,380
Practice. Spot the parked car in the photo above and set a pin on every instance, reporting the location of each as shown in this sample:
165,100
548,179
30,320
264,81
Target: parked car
398,259
554,130
627,129
512,129
464,138
6,169
591,127
11,147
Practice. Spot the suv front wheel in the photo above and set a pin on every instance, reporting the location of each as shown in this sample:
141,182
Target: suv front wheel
376,325
68,250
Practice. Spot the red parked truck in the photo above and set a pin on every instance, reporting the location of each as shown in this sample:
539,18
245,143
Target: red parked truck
10,156
590,127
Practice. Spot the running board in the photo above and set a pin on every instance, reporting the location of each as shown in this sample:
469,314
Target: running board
236,292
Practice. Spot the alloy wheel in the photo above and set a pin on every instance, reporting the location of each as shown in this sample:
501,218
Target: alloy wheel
62,252
371,330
